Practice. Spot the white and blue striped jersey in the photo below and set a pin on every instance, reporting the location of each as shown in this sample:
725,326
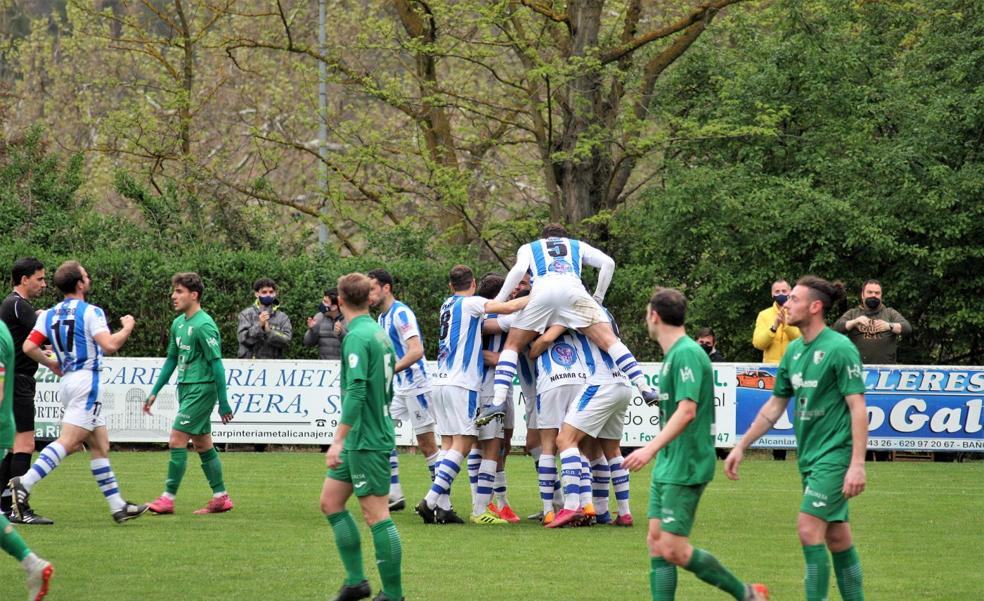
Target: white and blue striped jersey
400,324
70,327
550,258
526,372
562,363
459,350
495,343
600,366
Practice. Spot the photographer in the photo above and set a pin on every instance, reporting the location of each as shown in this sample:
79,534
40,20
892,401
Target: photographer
327,328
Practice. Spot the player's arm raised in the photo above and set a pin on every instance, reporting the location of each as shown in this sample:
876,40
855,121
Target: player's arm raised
685,413
766,419
515,275
854,480
110,343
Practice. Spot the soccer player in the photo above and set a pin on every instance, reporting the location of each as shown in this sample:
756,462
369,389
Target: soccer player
598,413
558,297
822,370
19,316
411,388
458,381
358,459
195,348
38,570
685,462
79,336
560,379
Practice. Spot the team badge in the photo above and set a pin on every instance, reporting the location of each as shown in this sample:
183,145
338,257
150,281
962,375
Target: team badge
563,354
353,360
818,357
190,328
560,266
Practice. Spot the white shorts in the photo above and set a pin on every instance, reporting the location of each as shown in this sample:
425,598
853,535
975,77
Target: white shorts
80,392
529,400
414,406
456,409
559,301
551,406
600,410
494,428
509,421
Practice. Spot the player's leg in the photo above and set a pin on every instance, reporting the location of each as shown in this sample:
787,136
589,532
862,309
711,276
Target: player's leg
401,412
102,471
601,478
38,571
602,335
212,468
176,466
48,459
847,564
662,573
423,427
812,534
19,461
620,482
460,407
387,544
335,492
473,462
570,465
489,445
822,506
505,372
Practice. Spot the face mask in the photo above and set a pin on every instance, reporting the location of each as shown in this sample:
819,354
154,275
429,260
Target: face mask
781,299
267,300
707,348
872,302
323,308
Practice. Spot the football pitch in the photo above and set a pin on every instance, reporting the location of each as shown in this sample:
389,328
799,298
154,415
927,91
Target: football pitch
919,529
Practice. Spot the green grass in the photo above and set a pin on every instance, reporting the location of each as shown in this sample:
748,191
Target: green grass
918,529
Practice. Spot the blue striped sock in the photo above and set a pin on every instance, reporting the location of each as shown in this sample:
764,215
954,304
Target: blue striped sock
432,463
474,463
585,482
570,470
107,483
627,363
505,374
620,482
499,488
547,473
486,478
600,479
48,460
396,491
444,477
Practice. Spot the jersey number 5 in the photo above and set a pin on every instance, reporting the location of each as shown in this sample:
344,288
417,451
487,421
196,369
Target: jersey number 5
556,248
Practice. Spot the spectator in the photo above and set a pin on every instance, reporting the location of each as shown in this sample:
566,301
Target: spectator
264,331
327,328
708,341
874,328
772,335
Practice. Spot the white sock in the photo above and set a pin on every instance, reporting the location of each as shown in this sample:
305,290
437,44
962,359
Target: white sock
570,473
483,496
432,463
499,488
106,480
167,495
396,491
30,561
48,459
505,373
600,479
547,471
620,482
585,482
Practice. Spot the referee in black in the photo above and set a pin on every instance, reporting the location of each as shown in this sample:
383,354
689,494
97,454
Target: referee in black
19,315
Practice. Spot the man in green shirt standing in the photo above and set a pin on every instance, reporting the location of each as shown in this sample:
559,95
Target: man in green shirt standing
685,460
38,570
358,459
195,348
822,371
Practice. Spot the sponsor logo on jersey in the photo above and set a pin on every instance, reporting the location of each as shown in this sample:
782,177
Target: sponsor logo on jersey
563,354
854,371
798,382
818,357
687,374
818,504
212,341
560,266
353,360
190,328
668,520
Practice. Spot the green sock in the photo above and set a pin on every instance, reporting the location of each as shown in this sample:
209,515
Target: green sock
349,545
706,567
389,553
212,467
176,470
662,579
11,542
847,569
817,572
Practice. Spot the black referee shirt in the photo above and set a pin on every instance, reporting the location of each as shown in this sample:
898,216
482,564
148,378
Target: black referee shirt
19,315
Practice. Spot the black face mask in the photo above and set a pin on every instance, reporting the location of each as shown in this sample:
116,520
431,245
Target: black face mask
707,348
323,308
872,303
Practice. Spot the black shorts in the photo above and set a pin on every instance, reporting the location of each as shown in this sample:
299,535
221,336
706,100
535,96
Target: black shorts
24,388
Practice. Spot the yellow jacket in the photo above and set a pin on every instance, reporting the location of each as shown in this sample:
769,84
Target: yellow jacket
772,345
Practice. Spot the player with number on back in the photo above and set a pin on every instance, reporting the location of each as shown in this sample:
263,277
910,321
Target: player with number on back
558,296
358,459
79,335
685,462
195,349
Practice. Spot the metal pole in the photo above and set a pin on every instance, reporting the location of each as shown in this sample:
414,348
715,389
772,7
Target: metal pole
322,121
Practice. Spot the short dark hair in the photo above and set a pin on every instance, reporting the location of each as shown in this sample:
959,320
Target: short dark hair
706,331
870,281
190,280
354,289
461,277
382,276
826,292
67,276
332,293
264,283
490,285
24,268
670,305
554,230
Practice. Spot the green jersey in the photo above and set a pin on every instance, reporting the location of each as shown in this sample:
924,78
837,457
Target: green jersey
368,360
7,384
687,375
818,375
196,343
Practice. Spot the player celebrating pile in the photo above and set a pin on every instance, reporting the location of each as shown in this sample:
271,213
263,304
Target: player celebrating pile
194,347
822,369
359,455
685,464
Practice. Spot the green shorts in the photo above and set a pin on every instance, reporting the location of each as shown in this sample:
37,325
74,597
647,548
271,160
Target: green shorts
367,471
823,493
675,506
195,405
